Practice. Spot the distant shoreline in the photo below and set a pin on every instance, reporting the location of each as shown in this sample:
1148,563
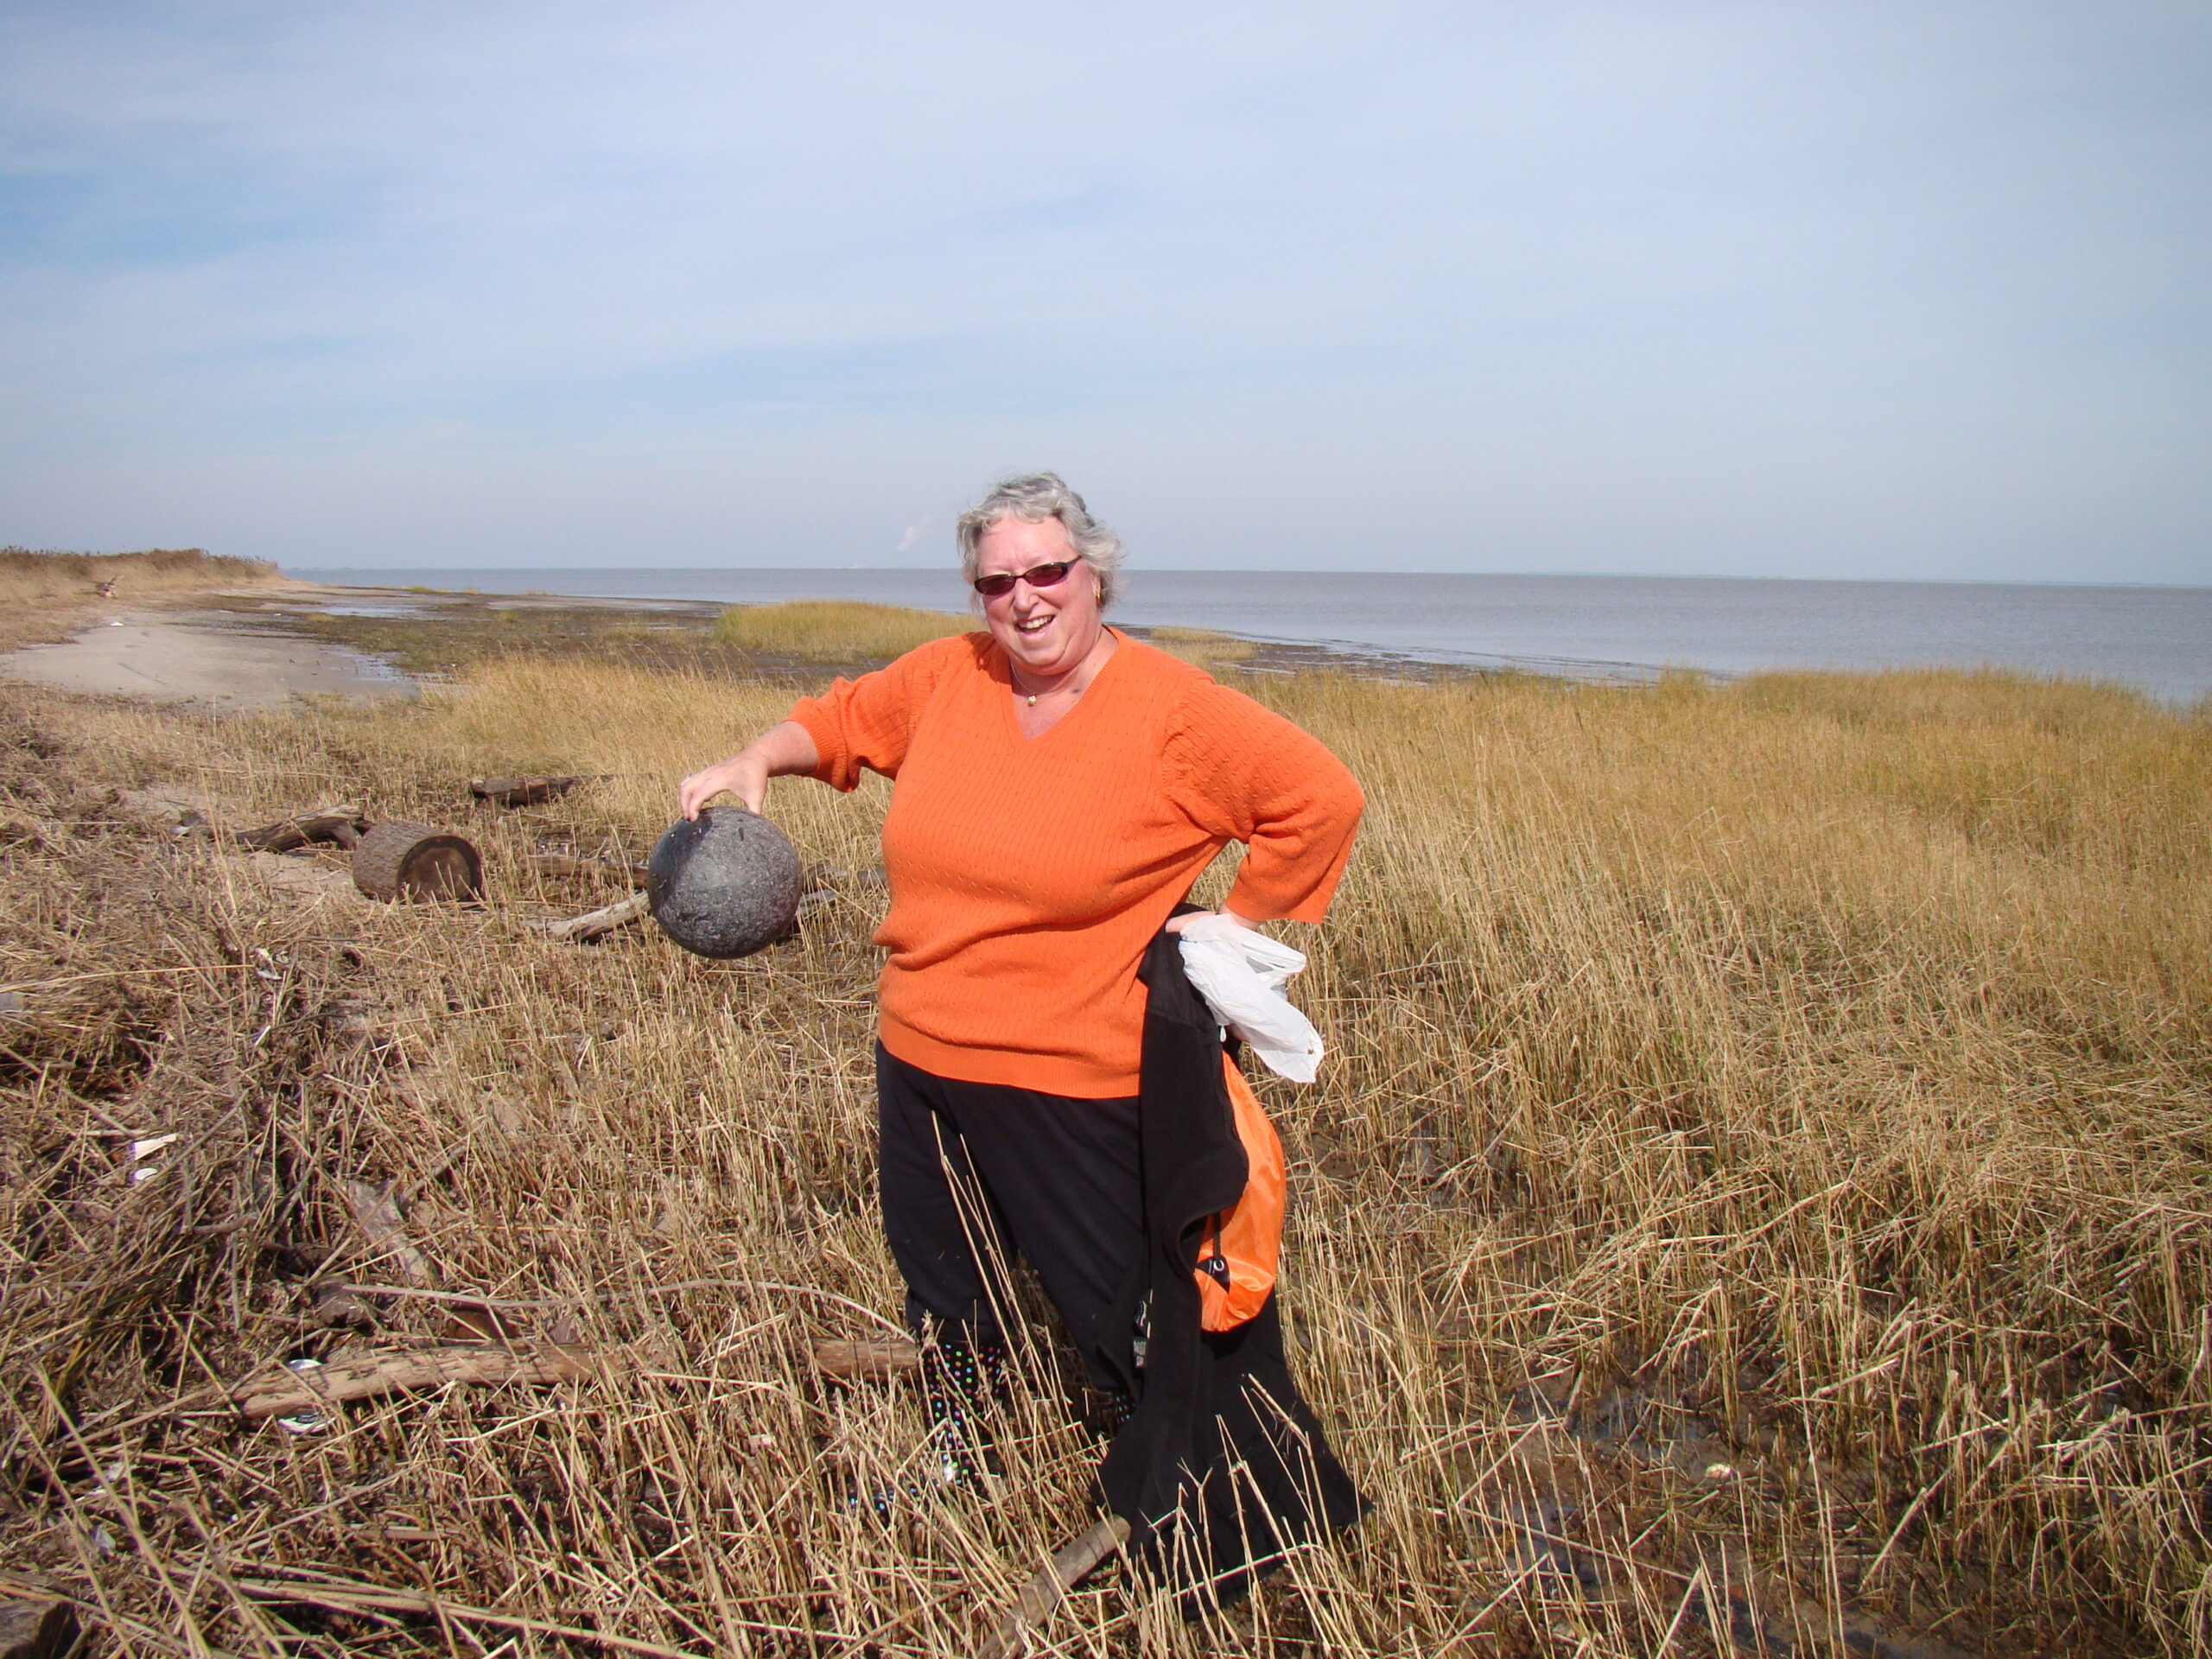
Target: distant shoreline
356,575
383,621
418,629
1622,629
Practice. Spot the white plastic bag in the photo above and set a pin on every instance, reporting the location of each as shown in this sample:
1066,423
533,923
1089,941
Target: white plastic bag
1240,972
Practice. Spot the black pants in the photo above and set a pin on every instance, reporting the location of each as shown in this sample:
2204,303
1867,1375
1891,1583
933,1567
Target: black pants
973,1174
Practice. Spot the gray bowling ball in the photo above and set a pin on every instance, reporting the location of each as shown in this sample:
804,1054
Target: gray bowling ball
724,884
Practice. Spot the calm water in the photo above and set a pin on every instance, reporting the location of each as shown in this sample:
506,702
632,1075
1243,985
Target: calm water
2158,639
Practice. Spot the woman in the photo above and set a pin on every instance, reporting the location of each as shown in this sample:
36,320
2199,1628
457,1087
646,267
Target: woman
1060,786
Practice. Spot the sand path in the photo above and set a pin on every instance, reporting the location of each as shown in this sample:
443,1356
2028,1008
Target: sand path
213,658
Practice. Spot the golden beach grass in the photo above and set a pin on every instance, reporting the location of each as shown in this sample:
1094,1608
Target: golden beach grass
1761,1179
1202,646
834,629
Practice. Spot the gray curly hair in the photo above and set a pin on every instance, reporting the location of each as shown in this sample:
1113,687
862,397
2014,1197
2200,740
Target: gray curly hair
1034,498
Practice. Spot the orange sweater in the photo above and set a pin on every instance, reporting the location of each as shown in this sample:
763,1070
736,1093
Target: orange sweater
1028,874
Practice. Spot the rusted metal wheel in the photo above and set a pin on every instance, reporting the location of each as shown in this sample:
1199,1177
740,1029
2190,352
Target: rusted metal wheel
412,861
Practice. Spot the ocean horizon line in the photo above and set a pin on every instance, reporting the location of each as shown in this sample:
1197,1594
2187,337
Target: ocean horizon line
307,571
2154,636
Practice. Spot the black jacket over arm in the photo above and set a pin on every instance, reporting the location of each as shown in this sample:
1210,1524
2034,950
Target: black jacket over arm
1223,1466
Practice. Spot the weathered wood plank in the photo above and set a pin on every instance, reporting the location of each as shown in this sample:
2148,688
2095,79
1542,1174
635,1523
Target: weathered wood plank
365,1376
1067,1568
889,1358
592,923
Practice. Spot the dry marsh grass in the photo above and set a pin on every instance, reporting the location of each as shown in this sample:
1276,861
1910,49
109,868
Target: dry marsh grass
27,576
834,629
1760,1184
1204,647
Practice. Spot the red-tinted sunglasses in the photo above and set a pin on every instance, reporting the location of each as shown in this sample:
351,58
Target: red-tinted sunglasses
1037,576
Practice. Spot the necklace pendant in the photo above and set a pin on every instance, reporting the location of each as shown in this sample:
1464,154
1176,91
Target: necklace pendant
1033,701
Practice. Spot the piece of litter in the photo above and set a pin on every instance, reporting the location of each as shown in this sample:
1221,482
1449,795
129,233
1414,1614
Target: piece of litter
103,1544
141,1150
1240,973
1720,1471
303,1422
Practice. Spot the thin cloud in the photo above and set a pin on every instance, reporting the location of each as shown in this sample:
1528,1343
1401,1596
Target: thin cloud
1832,289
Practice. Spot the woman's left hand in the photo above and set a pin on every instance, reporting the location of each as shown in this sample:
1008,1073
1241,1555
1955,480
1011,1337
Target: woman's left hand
1176,923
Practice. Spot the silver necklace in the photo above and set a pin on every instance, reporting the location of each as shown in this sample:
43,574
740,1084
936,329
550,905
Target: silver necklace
1031,695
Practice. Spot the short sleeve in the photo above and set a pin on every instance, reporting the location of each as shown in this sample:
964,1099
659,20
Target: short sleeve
1241,771
865,724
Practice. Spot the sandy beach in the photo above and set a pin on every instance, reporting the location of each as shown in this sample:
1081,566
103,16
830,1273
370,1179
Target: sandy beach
185,653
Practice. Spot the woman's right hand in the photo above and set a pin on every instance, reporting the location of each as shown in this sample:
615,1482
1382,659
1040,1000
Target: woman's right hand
784,750
744,775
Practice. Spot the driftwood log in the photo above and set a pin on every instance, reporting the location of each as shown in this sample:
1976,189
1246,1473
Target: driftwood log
412,861
893,1357
592,923
323,829
522,791
362,1376
1067,1568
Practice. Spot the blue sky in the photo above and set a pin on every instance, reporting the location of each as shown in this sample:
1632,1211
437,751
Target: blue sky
1850,290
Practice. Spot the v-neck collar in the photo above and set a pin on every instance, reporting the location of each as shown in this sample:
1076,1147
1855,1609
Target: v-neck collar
1002,672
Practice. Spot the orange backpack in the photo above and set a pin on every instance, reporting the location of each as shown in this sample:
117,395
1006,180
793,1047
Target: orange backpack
1241,1246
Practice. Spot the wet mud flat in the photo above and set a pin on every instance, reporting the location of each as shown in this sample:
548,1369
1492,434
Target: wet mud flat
429,634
